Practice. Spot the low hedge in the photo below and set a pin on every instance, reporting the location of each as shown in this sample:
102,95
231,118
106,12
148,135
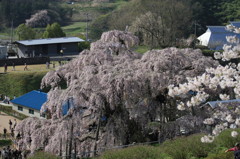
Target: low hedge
9,111
5,143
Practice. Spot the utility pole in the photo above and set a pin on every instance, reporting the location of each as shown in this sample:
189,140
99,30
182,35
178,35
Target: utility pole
195,28
86,26
11,32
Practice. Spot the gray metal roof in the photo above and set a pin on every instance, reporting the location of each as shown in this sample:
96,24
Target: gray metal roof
49,41
213,104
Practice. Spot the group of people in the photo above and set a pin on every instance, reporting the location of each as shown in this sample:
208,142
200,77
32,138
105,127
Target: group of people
8,153
6,67
13,67
4,99
11,128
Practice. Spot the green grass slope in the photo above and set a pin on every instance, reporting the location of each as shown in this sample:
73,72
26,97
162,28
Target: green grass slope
20,83
181,148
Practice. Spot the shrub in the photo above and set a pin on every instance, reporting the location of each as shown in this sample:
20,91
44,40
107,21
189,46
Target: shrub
45,155
5,142
222,155
226,140
9,111
186,147
136,152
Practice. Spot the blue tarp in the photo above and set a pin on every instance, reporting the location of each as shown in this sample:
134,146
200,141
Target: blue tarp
67,105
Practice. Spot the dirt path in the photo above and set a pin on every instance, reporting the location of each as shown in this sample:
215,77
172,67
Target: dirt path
4,122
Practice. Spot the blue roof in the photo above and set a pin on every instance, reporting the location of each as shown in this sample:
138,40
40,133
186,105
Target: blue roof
213,104
217,29
236,24
50,41
33,99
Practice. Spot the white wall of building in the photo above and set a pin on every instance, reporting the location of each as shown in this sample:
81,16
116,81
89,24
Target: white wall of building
25,111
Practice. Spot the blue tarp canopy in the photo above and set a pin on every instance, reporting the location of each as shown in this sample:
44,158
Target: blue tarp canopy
67,105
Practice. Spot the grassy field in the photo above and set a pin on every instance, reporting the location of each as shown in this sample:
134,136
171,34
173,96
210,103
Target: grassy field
19,82
31,68
180,148
74,29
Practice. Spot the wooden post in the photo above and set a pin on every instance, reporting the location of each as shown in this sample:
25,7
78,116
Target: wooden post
70,142
60,148
66,154
97,134
75,149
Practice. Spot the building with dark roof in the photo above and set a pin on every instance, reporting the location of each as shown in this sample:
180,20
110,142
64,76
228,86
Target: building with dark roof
215,36
48,47
30,103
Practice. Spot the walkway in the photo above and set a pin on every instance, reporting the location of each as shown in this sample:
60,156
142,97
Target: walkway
4,119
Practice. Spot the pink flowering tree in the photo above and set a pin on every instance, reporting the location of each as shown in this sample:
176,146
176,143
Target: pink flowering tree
113,95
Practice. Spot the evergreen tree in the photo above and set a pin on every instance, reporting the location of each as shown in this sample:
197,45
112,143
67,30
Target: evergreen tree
53,31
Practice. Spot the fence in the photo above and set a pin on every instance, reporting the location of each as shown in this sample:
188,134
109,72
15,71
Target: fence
22,61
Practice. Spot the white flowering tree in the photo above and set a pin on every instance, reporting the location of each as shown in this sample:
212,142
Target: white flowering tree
221,83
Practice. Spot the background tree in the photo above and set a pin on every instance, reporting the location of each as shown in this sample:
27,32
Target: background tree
53,31
171,18
25,32
39,19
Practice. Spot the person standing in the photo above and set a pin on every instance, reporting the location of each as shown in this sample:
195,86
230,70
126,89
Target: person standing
236,150
15,124
5,68
25,67
10,124
13,66
5,133
47,65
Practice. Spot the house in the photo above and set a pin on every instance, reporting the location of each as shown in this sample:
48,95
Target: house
215,36
30,103
214,104
3,52
48,47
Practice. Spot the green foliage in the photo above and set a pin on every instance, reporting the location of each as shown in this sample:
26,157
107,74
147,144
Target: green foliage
19,11
226,140
207,52
83,45
75,28
20,83
53,31
45,155
186,147
25,33
189,147
5,143
221,155
142,49
99,26
136,152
